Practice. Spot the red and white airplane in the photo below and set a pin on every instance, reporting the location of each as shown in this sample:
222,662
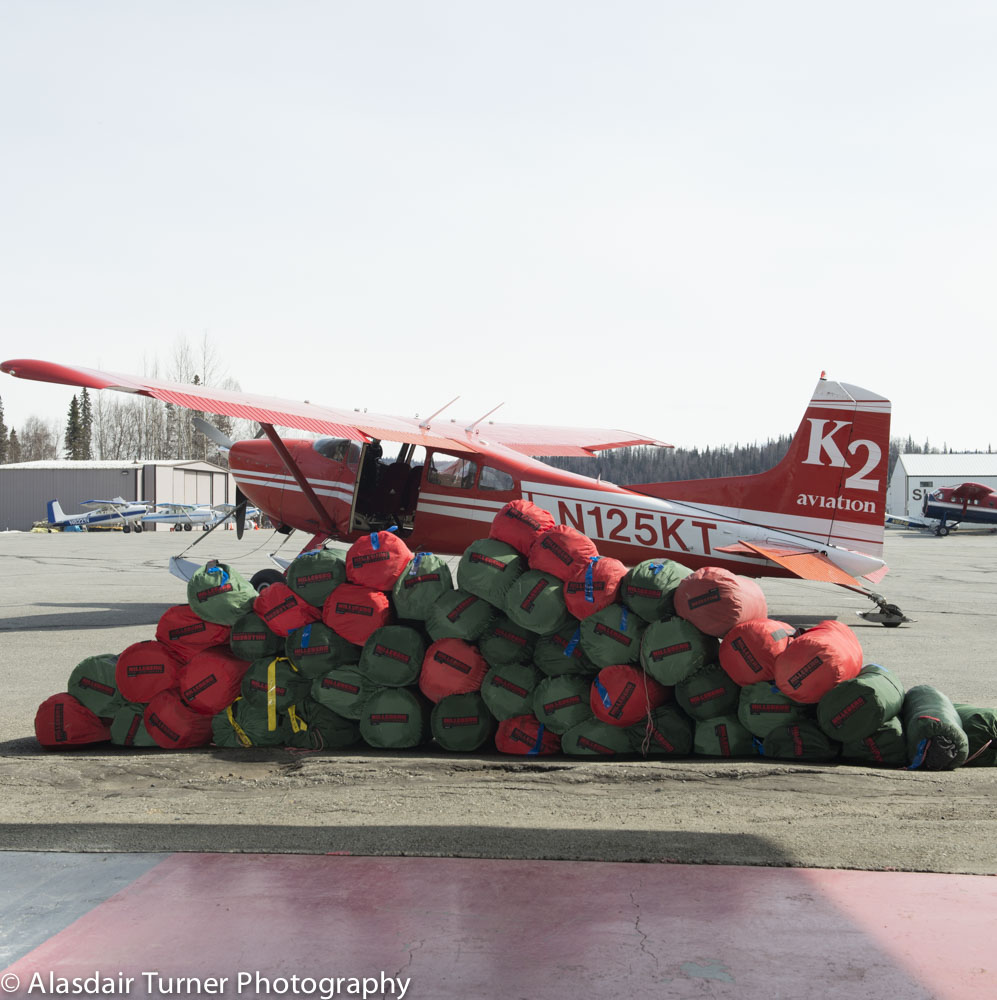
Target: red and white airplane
818,515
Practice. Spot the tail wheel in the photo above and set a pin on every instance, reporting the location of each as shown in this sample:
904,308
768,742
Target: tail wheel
264,577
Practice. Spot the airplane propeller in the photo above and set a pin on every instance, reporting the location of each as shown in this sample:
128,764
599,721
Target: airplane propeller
241,501
212,433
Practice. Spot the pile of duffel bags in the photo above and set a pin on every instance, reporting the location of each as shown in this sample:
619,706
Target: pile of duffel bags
540,646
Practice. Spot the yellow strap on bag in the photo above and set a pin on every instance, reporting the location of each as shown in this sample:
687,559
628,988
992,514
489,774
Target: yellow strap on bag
240,733
297,723
272,695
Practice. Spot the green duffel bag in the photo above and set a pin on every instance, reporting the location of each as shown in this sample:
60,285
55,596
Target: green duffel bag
128,727
536,601
217,593
594,738
488,568
461,723
314,575
562,702
802,740
649,588
666,732
459,615
315,727
886,746
344,690
857,707
506,642
612,636
425,580
316,649
723,736
245,725
707,693
980,727
252,639
508,689
395,719
673,649
274,684
92,684
562,653
933,730
762,707
392,656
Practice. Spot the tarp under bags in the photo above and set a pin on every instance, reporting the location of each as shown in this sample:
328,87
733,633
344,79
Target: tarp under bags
212,680
858,707
749,650
622,695
185,633
885,747
802,740
649,588
354,612
343,690
461,722
250,639
173,725
62,722
762,707
562,551
488,568
816,660
506,642
394,719
933,731
536,601
128,727
980,727
519,522
707,693
392,656
451,666
377,560
723,736
316,649
245,725
315,727
715,600
673,649
562,653
597,588
217,593
144,669
595,738
315,574
282,611
508,689
562,702
526,736
92,683
274,683
459,615
612,636
667,732
423,581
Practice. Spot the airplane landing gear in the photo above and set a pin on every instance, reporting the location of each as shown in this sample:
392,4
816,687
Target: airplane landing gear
888,615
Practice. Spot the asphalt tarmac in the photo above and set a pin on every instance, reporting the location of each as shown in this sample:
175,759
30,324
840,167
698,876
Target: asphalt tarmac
67,596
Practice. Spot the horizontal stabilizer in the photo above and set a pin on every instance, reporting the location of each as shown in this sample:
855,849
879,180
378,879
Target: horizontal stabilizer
806,564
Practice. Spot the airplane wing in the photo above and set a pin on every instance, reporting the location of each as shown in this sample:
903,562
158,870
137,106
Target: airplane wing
118,503
906,522
805,564
352,424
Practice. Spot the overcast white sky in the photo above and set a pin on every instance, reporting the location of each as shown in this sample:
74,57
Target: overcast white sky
662,216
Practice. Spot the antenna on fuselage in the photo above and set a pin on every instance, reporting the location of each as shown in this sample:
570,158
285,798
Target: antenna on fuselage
470,427
424,424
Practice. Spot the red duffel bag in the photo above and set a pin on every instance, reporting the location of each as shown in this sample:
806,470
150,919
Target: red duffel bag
451,666
596,588
527,736
283,611
377,560
185,633
715,600
173,725
212,680
356,612
519,522
562,551
144,669
623,695
749,650
816,660
62,721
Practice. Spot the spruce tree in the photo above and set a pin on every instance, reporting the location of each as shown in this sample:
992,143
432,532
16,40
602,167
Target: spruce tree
86,427
3,437
73,432
13,448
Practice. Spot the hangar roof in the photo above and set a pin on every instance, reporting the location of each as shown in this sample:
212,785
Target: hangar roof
968,465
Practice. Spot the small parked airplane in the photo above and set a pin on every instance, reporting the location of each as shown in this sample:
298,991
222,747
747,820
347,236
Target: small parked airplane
183,516
950,506
818,515
127,514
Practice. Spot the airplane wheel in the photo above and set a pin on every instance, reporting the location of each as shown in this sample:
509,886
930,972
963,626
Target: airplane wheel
262,579
138,529
186,527
126,528
941,531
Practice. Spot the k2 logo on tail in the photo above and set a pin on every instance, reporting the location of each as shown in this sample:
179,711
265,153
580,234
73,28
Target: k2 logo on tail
822,443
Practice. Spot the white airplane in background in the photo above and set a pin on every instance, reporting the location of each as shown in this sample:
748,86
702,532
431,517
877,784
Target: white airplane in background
100,514
185,515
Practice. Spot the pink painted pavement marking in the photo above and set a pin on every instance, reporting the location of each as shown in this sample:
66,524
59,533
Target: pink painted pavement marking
545,930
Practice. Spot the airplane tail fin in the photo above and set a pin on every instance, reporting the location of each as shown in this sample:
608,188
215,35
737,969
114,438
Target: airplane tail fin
831,485
55,514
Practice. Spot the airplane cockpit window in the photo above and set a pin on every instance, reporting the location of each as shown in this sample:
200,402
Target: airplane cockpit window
495,479
339,450
450,470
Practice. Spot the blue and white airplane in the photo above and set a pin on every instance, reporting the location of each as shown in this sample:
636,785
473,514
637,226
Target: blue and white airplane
127,514
185,515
